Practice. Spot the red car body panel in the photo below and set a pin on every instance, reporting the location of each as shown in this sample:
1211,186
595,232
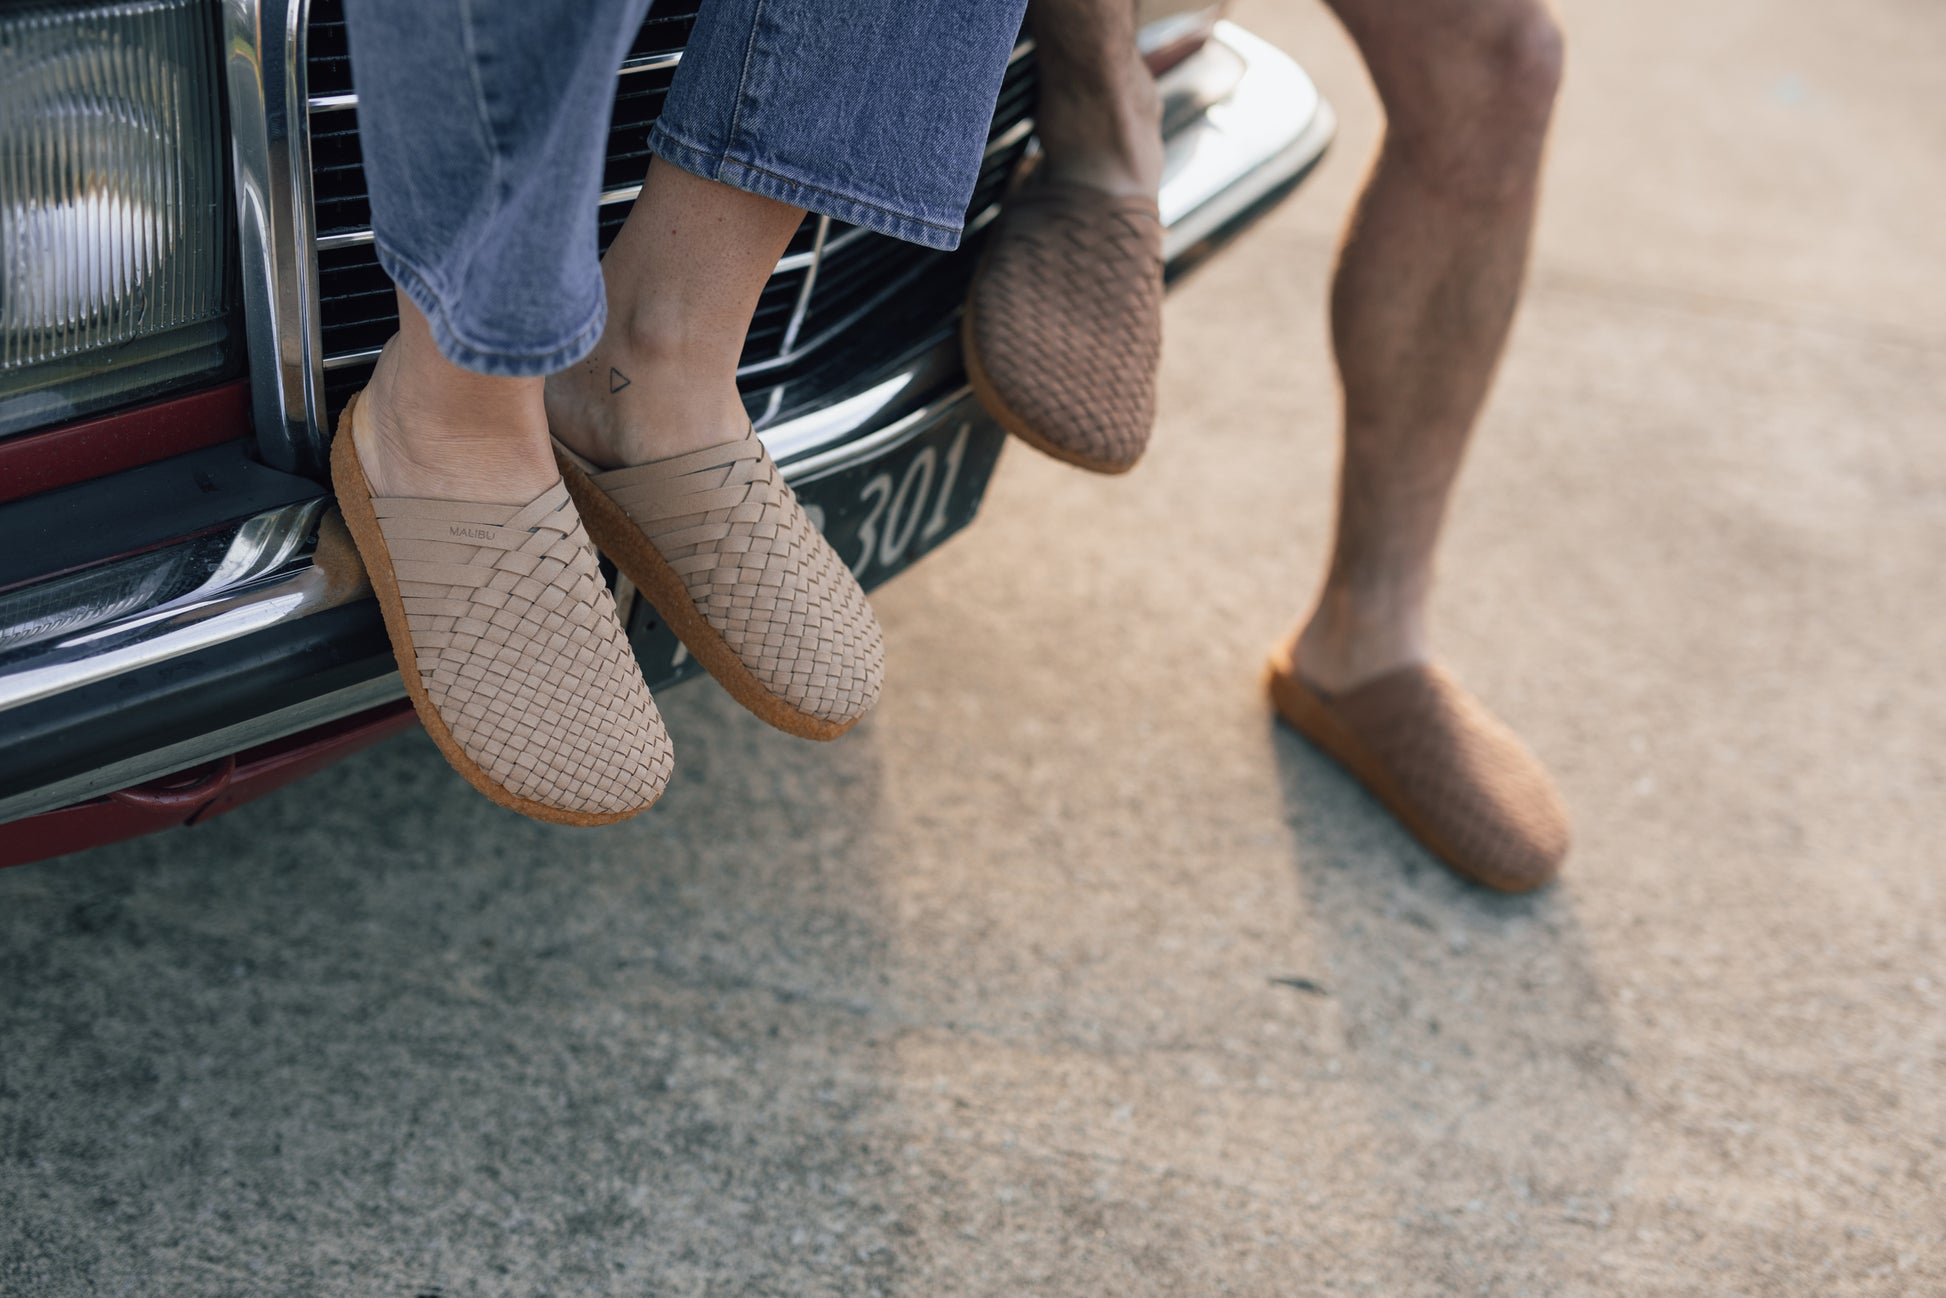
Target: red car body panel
94,448
200,793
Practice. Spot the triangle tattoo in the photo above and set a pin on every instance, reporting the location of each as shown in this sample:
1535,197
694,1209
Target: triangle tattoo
616,380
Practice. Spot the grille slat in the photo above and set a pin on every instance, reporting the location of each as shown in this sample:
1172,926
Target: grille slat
860,275
328,55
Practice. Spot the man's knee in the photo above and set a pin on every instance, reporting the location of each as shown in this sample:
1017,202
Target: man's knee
1494,65
1519,49
1468,85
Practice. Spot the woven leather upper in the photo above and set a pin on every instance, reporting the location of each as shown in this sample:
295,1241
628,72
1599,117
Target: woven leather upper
1467,775
759,573
518,646
1067,318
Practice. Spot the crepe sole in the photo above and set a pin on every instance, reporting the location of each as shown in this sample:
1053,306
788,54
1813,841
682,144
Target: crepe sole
1310,714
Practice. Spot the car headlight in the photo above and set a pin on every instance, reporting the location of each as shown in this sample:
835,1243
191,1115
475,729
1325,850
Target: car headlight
114,229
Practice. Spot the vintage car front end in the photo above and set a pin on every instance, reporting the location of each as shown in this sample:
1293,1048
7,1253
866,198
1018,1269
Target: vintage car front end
191,294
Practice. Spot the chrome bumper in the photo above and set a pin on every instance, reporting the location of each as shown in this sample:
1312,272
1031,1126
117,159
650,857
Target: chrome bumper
1243,123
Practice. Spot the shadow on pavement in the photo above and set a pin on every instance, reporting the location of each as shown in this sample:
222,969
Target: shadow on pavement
1482,1041
376,1036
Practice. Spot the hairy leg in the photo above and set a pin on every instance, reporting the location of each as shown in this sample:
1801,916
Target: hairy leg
1099,116
1428,279
683,276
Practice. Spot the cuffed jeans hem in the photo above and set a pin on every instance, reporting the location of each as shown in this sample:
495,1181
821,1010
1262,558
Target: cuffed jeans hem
537,362
712,164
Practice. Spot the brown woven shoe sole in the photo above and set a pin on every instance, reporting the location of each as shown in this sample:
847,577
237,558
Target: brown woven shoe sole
1307,713
995,405
355,502
621,540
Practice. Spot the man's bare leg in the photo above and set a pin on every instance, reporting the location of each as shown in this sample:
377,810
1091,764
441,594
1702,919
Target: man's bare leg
1428,279
1063,327
1427,283
1099,117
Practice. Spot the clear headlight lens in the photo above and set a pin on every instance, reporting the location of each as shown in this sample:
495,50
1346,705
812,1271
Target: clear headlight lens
114,229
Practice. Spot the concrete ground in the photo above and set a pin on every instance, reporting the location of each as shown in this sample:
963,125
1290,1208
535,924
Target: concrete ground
988,998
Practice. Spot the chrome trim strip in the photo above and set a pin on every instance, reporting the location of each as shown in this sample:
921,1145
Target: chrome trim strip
1013,135
344,239
655,61
872,445
1270,127
804,290
820,430
271,157
345,360
1167,31
252,585
800,260
193,752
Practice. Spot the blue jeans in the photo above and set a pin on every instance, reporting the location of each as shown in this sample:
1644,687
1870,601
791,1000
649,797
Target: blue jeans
484,125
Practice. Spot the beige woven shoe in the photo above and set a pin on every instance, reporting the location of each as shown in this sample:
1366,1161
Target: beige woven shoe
1459,780
510,648
716,541
1063,329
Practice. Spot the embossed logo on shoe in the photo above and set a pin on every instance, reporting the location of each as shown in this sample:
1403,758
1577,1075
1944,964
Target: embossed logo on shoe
474,533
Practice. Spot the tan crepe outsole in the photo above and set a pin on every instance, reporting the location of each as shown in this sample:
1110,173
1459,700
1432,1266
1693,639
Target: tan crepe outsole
1003,414
617,536
355,501
1309,715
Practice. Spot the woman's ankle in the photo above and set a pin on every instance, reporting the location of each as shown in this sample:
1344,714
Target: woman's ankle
634,400
444,434
683,276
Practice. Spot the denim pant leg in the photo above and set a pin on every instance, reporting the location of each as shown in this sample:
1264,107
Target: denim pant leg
874,112
484,128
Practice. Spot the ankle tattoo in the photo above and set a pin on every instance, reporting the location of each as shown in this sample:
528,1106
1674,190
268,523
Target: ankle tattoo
617,380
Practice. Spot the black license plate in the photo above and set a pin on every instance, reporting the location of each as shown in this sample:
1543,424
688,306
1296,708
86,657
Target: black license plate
882,515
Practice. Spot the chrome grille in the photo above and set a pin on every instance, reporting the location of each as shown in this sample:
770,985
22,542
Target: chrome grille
827,286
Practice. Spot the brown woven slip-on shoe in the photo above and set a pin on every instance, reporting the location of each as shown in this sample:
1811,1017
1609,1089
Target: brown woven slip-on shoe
510,648
716,541
1459,780
1063,329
